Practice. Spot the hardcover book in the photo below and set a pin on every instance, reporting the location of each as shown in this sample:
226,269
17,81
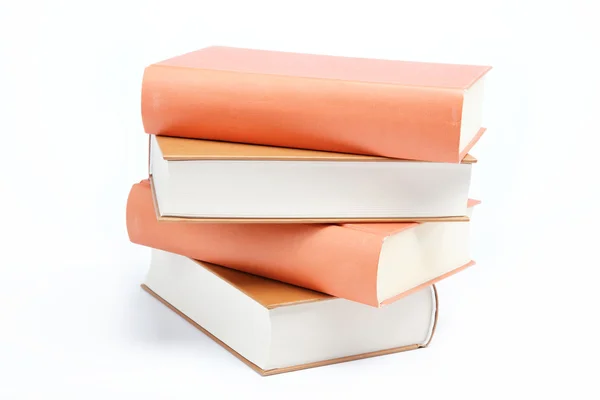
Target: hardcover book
370,263
274,327
210,181
389,108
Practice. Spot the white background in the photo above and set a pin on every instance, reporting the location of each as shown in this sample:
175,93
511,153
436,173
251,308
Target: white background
74,322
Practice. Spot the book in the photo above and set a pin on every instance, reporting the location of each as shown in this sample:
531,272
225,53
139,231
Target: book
389,108
370,263
211,181
274,327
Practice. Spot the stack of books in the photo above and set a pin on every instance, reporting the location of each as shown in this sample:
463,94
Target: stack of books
300,208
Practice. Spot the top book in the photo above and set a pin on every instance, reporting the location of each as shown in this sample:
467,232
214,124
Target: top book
388,108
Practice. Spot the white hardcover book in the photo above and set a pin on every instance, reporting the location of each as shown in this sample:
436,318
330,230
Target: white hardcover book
207,181
275,327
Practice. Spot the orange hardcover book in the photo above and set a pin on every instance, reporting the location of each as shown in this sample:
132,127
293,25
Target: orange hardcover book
370,263
390,108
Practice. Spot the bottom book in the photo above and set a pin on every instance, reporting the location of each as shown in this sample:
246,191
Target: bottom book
274,327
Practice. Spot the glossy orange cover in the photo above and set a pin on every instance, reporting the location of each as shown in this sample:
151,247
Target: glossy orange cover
339,260
388,108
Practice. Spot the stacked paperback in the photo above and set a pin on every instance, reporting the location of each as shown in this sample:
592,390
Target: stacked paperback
300,208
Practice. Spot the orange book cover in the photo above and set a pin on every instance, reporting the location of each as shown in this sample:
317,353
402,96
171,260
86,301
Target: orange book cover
390,108
344,260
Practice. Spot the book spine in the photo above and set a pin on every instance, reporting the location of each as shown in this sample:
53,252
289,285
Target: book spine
326,258
410,122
